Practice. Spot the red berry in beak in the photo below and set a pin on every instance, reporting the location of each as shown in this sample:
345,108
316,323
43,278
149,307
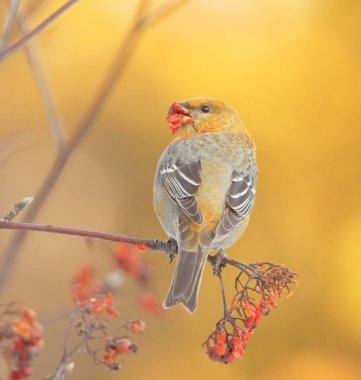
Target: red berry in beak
178,115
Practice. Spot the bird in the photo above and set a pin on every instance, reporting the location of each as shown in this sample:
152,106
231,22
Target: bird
204,188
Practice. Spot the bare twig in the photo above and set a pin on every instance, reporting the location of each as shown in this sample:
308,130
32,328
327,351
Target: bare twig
140,24
158,245
47,98
38,29
224,300
62,372
168,247
18,207
9,23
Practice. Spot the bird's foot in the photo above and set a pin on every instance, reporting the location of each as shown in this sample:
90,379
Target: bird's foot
173,249
219,262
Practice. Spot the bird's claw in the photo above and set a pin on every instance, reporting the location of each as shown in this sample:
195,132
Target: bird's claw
219,262
171,257
173,249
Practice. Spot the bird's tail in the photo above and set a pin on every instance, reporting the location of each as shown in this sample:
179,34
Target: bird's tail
187,278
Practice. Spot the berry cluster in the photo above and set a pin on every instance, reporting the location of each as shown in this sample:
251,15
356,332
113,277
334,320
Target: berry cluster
257,288
21,339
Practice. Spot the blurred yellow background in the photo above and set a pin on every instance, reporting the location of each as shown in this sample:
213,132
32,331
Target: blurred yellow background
292,70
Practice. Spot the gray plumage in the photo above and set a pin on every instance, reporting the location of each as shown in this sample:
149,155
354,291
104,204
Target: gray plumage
217,165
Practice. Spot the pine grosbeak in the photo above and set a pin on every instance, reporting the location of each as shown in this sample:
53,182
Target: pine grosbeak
204,188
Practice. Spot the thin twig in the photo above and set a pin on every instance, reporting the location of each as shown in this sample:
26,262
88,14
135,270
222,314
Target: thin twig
69,330
168,247
158,245
9,23
64,371
38,29
225,308
63,156
18,207
47,98
59,372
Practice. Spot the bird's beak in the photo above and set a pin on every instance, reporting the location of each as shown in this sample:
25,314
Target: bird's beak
178,115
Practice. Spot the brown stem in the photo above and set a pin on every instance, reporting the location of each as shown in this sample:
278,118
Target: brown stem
225,309
141,22
59,372
157,245
169,247
38,29
244,268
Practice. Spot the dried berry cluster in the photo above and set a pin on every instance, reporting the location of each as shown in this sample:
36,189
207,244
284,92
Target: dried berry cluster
91,326
90,318
257,288
21,339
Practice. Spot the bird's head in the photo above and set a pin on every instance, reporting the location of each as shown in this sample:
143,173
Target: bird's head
200,115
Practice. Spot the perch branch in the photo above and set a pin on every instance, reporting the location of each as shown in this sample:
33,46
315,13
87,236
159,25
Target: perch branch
155,244
168,247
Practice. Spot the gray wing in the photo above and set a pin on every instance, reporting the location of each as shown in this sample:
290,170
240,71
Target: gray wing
181,182
240,200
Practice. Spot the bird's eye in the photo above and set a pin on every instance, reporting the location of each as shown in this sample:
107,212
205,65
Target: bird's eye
206,109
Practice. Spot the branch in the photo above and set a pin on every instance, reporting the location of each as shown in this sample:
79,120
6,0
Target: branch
47,98
168,247
257,285
38,29
9,23
140,23
157,245
61,371
18,207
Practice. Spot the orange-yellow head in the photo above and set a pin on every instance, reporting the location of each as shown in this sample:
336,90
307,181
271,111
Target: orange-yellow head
200,115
